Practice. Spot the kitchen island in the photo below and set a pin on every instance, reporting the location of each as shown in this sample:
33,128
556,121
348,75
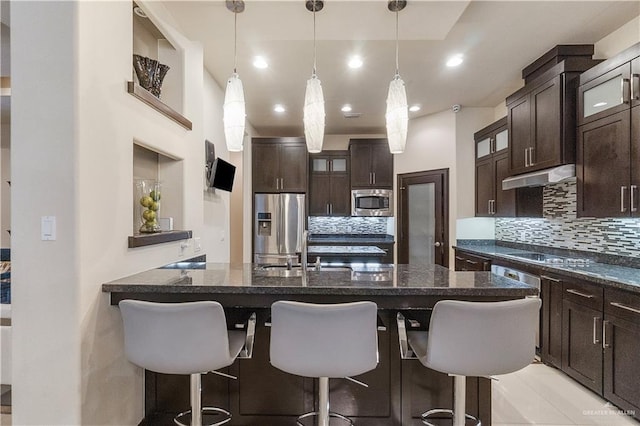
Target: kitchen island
399,389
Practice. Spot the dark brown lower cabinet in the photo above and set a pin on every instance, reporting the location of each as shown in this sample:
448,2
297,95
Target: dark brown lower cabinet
621,342
551,313
471,262
582,349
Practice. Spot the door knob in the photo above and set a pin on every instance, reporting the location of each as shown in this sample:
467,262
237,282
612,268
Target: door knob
437,244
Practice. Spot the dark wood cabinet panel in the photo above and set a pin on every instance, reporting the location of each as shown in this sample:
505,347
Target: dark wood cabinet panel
603,167
546,123
485,186
621,343
505,201
581,347
634,199
615,82
279,165
329,191
469,262
519,125
371,164
635,82
551,313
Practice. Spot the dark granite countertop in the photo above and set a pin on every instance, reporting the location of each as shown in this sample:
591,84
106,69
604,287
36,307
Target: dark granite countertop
389,280
350,238
617,276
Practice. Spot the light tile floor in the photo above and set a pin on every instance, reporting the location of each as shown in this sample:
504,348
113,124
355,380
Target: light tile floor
542,395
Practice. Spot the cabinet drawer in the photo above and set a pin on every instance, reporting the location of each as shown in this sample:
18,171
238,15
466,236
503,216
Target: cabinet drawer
470,262
584,294
622,304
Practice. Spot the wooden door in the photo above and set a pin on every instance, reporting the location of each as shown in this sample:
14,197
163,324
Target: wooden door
546,119
319,194
603,167
340,195
382,166
485,186
504,201
519,125
581,348
360,155
293,167
551,318
423,217
265,167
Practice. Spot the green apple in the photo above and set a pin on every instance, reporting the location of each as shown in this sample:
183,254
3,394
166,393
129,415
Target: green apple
146,201
155,195
149,215
154,206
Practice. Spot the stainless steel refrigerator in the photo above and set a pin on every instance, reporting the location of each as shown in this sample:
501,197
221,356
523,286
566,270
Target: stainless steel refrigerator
279,222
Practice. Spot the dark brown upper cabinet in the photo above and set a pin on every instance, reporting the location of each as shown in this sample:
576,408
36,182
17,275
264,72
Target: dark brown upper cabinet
491,168
541,115
329,190
608,149
279,165
371,164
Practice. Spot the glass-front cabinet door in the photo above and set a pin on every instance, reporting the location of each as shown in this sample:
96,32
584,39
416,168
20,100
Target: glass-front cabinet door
501,141
484,147
605,95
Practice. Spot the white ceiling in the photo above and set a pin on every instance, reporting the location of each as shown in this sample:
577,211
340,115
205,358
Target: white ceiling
497,38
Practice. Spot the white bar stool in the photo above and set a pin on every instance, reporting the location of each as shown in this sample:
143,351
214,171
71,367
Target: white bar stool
477,339
183,338
324,341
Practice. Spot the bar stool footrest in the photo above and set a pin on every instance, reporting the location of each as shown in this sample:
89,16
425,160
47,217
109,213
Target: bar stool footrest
205,411
315,414
431,414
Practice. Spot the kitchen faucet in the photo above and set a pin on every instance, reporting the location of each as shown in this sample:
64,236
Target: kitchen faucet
303,254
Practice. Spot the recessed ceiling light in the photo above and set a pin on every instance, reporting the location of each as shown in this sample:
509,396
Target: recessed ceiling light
599,104
260,62
346,108
279,108
455,60
414,108
355,62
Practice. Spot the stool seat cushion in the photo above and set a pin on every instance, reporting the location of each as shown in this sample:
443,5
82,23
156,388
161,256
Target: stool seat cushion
315,340
480,338
178,338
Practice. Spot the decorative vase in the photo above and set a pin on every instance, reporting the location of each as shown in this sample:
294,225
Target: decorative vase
150,73
147,201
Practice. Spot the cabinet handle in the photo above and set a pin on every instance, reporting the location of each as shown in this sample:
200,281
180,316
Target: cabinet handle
526,158
460,258
330,208
532,151
605,345
595,330
634,189
471,262
622,207
493,204
374,177
550,279
327,208
625,93
488,206
634,88
578,293
625,307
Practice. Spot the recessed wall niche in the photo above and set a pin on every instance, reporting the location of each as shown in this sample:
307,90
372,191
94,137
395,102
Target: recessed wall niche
150,42
150,165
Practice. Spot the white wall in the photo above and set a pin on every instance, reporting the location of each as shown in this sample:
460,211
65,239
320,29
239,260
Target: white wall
5,188
68,359
625,36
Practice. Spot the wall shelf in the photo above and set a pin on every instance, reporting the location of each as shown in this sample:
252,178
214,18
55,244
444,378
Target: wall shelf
142,240
145,96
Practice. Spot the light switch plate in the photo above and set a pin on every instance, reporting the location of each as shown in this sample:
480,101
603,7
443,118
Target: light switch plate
48,228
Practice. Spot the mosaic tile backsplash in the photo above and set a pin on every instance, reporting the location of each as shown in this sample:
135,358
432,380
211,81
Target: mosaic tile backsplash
347,225
560,228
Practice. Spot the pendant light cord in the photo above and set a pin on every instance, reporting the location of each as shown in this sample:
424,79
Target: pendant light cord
314,39
235,42
397,62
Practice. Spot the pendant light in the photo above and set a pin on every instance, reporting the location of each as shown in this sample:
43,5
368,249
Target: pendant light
234,112
313,97
397,116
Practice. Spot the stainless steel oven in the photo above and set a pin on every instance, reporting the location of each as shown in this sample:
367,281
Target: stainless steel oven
372,202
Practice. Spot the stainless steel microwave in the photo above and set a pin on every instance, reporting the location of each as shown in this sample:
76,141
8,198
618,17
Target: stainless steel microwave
372,202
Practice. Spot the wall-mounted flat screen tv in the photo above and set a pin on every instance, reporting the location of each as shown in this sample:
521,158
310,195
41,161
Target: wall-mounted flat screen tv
221,175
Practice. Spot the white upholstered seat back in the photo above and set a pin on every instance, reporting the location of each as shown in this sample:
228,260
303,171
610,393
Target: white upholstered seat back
482,338
315,340
176,338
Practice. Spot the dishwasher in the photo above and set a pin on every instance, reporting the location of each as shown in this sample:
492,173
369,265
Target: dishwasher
525,278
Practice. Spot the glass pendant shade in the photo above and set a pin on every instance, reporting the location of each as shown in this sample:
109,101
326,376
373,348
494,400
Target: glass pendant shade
234,114
314,115
397,116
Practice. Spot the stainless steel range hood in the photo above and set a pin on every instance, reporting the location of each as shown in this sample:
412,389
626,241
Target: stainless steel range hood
541,177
